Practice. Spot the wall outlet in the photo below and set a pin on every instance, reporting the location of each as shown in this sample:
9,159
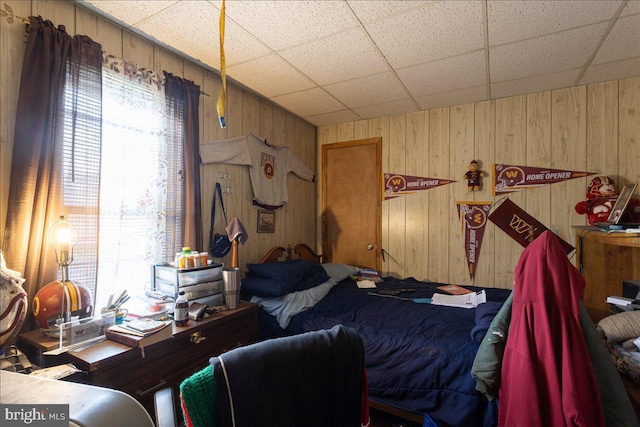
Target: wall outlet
223,175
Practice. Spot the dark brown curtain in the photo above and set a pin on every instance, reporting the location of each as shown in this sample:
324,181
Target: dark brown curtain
53,59
183,99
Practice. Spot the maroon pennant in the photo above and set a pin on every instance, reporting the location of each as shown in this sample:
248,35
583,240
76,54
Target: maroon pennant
397,185
474,221
509,178
522,227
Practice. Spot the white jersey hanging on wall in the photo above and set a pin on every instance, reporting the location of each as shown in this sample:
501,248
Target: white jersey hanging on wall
268,166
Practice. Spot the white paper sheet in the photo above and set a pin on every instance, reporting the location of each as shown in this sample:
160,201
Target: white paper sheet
462,301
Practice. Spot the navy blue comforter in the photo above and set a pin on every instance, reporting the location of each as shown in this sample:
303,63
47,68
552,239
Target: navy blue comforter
418,356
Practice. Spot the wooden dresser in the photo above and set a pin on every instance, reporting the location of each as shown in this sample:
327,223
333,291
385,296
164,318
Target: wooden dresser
141,372
605,260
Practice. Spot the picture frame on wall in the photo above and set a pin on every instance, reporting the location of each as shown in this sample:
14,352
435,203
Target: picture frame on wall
266,222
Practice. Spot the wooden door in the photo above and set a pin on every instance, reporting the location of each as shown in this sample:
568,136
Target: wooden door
352,202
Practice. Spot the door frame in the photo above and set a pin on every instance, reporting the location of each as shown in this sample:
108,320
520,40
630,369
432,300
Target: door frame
377,141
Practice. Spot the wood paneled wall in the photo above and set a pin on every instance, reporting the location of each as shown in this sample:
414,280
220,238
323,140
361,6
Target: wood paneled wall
592,128
245,113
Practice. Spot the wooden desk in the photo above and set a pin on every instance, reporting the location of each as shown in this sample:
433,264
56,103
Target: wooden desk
605,260
140,372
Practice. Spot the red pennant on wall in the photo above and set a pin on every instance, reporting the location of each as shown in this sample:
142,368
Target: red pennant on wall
396,185
474,220
509,178
522,227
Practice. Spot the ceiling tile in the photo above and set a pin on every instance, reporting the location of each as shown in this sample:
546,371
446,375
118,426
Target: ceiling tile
309,102
169,26
631,8
270,76
341,116
550,81
445,75
384,57
622,42
439,31
376,89
203,42
343,56
458,97
368,11
512,21
281,24
611,71
130,12
545,55
387,109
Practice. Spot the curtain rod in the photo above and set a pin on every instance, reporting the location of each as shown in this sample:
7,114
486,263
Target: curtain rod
11,19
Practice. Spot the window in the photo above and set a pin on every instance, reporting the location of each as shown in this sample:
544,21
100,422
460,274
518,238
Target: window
133,184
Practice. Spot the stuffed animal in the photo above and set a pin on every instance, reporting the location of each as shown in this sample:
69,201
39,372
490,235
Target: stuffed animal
473,176
601,196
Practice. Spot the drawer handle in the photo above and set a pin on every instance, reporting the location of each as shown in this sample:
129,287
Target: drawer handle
196,337
143,393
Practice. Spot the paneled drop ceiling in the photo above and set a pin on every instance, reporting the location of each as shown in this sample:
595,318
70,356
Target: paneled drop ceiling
336,61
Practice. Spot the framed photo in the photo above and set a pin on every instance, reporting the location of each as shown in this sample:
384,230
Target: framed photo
266,222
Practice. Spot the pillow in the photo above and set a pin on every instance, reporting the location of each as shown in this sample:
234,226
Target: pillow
280,278
259,286
285,307
339,272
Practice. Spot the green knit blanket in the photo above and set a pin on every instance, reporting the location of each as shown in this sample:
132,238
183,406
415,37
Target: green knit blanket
199,399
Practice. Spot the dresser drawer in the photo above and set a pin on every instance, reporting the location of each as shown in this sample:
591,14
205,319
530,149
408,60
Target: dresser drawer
141,372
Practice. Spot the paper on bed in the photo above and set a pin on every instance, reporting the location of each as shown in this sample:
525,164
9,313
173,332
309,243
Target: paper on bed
463,301
366,284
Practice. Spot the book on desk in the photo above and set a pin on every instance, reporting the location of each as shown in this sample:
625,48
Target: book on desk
132,338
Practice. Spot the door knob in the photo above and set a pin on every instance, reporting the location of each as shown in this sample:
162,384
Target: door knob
371,247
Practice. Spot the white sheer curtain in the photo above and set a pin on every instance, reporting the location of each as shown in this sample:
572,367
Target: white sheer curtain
140,180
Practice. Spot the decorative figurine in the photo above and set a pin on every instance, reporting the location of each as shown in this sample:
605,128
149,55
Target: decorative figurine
473,176
601,196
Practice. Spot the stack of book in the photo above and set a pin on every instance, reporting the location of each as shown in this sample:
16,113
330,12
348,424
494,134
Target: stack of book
367,274
140,333
455,289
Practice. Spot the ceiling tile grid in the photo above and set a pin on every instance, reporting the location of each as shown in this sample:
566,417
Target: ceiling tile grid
442,30
358,93
445,75
340,57
513,21
457,97
331,61
282,24
622,42
309,102
545,55
270,76
533,84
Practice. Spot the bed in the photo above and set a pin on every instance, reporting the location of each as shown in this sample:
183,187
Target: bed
418,356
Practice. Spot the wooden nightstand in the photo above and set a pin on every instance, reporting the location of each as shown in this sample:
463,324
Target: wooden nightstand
605,260
140,372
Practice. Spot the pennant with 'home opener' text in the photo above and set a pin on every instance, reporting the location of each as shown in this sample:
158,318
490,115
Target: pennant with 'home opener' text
509,178
522,227
474,220
397,185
